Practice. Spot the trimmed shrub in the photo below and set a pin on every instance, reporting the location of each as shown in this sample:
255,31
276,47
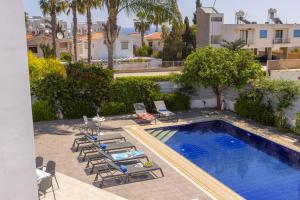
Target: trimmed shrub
176,101
130,91
144,51
42,111
66,56
114,108
170,77
76,109
157,54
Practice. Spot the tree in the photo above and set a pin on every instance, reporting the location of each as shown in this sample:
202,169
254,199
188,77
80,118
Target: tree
48,51
113,7
219,68
198,5
157,17
233,46
52,8
87,6
173,44
142,25
74,7
187,39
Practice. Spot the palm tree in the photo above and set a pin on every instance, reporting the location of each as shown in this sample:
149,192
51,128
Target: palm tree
52,8
114,7
74,6
142,25
158,18
235,45
88,5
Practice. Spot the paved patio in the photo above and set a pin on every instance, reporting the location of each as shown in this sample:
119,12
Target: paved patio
54,139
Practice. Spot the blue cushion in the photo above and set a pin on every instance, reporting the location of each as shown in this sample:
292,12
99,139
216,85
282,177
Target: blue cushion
162,110
103,146
94,138
123,168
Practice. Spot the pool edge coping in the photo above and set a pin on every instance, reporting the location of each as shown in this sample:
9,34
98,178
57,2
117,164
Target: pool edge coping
209,185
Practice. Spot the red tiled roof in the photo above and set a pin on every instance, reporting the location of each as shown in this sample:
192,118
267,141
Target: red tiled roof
154,36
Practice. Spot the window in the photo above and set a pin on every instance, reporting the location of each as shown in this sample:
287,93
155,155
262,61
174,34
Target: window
216,19
263,34
150,44
124,45
244,35
297,33
33,49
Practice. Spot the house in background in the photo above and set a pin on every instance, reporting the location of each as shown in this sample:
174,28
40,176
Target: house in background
154,40
34,43
136,40
261,38
123,47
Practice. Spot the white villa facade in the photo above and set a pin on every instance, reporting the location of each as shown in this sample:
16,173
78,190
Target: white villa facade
123,47
267,37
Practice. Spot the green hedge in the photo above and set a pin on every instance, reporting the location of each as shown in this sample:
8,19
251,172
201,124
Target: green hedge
253,108
76,109
170,77
42,111
176,101
114,108
130,91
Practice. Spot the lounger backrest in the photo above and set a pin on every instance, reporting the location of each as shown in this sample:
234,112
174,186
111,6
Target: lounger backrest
113,165
105,155
160,105
139,108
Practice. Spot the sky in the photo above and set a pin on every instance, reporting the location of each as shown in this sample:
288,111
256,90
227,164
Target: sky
256,10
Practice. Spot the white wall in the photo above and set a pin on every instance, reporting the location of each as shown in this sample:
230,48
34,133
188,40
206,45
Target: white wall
17,168
291,74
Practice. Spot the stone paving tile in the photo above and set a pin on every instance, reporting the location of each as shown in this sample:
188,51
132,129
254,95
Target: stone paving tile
54,139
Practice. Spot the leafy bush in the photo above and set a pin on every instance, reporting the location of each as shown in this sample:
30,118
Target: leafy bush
76,109
39,68
89,82
176,101
251,106
144,51
157,54
65,56
42,111
130,91
297,127
53,89
114,108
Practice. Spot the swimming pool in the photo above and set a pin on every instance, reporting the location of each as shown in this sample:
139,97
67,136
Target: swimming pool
252,166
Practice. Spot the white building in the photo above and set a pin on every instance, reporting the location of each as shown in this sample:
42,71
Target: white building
123,47
82,27
272,35
38,25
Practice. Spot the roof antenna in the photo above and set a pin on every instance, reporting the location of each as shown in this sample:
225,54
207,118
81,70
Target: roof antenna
214,3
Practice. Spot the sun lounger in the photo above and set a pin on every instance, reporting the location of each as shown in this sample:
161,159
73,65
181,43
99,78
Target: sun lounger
116,171
108,147
163,111
142,113
102,158
98,138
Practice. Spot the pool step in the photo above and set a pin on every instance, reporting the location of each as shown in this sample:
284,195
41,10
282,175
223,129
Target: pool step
167,137
162,135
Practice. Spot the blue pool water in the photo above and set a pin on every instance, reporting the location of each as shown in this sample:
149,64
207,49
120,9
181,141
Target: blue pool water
250,165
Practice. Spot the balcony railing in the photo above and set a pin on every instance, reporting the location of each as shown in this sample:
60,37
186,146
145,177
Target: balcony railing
281,40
